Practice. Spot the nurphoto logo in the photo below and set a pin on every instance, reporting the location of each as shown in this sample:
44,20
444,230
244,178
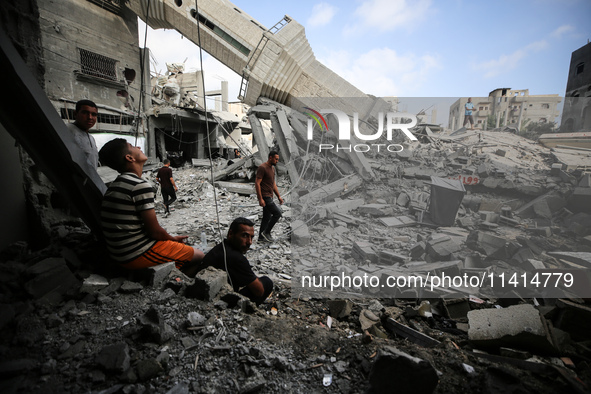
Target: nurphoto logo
394,122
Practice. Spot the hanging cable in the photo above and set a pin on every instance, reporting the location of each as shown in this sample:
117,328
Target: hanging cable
142,72
217,211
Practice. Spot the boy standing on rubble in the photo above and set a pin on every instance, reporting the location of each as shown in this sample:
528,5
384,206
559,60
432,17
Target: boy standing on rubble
265,186
132,233
167,185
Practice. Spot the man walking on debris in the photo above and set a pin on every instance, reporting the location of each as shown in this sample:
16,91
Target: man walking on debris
132,233
167,185
229,256
85,115
265,186
468,114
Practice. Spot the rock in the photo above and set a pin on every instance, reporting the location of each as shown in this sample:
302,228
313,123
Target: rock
130,287
518,326
158,275
208,283
114,357
148,369
154,329
340,308
93,283
407,374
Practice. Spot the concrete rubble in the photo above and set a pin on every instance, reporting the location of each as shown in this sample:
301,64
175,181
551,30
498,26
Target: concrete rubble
70,323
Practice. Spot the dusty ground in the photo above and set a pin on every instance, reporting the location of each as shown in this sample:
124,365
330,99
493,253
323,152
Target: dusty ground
177,344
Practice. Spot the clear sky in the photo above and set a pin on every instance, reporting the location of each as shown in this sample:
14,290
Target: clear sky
418,48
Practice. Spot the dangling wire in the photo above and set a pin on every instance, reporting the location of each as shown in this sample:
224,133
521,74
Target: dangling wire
217,211
142,72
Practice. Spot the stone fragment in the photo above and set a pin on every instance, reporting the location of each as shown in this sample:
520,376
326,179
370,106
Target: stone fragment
208,284
129,287
300,235
52,280
394,368
340,308
441,246
154,328
158,275
93,283
490,245
114,357
148,369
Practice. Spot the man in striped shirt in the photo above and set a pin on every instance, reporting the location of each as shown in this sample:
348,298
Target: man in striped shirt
133,235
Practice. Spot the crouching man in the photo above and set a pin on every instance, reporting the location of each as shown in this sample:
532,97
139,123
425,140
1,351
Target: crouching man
132,233
229,256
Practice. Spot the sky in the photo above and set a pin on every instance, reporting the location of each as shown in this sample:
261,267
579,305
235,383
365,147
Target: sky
417,48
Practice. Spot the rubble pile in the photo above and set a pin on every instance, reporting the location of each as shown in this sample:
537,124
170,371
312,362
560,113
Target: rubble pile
72,322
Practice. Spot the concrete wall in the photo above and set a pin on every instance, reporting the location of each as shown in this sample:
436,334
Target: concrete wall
13,210
70,25
576,115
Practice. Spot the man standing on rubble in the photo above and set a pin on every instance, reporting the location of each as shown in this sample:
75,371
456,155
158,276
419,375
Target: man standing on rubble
167,185
85,115
469,107
229,256
128,219
265,186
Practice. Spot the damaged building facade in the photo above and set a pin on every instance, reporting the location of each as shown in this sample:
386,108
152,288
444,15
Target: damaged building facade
508,107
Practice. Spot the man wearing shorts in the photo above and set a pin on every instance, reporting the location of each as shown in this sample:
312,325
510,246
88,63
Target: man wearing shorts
132,233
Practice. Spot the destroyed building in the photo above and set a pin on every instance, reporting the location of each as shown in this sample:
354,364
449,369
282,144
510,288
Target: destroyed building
466,204
577,107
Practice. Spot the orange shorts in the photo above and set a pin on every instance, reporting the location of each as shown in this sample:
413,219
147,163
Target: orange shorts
163,252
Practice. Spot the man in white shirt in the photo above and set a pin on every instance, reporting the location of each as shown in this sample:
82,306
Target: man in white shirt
85,116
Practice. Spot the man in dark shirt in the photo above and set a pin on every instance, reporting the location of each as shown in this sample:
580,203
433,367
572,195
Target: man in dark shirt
167,185
265,186
229,256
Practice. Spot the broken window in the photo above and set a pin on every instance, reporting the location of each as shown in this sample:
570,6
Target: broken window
546,106
113,6
217,30
579,68
97,65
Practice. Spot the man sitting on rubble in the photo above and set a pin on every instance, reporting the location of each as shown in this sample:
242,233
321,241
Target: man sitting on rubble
132,233
229,256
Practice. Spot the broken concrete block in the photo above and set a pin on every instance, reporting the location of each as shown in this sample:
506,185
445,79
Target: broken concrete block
388,257
441,246
376,210
114,357
340,308
540,231
53,279
148,369
417,250
501,152
446,198
456,308
403,199
363,251
208,283
398,221
580,200
407,374
585,180
542,209
556,168
158,275
300,234
519,326
129,287
93,283
367,319
490,245
154,328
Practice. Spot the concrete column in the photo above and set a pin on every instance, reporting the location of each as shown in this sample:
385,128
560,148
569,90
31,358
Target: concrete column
224,95
147,103
506,116
498,119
